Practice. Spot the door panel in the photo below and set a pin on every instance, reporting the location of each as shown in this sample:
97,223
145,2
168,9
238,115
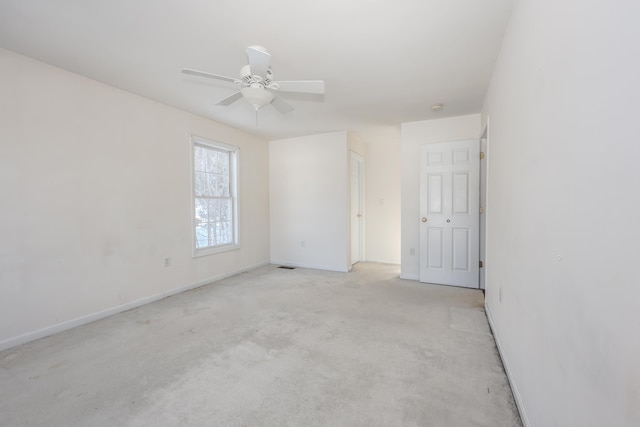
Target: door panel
434,248
449,205
461,192
434,158
461,249
435,196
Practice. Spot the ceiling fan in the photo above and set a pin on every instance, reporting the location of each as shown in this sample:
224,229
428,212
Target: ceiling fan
257,85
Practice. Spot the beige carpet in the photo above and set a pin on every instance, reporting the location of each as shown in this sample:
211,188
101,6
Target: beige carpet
271,347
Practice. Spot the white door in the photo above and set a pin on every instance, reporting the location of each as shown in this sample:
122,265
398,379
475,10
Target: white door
449,213
355,207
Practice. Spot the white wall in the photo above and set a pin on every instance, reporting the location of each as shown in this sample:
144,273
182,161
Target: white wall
563,211
382,201
95,186
413,135
357,145
309,201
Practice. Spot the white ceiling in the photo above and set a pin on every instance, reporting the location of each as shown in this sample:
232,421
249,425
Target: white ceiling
384,62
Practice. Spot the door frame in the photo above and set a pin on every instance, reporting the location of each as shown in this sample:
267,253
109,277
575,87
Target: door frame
360,244
484,168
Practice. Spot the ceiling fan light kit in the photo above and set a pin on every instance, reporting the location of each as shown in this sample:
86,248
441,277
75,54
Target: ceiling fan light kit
257,85
257,96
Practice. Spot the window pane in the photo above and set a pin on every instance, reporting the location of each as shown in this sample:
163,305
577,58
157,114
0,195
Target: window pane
200,183
216,212
224,232
200,158
212,234
214,202
225,209
210,184
202,236
224,186
211,160
202,210
223,163
216,187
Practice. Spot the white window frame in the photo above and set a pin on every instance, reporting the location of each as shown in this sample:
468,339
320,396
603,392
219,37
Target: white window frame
234,157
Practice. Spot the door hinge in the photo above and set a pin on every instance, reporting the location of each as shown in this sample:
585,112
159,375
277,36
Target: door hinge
481,209
481,264
481,155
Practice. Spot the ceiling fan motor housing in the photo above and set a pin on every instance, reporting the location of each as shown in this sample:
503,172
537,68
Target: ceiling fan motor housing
249,79
269,77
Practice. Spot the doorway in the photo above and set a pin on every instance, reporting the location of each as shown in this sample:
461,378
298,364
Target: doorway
356,208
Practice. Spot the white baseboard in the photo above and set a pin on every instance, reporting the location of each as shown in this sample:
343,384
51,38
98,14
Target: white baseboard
409,277
507,367
383,261
70,324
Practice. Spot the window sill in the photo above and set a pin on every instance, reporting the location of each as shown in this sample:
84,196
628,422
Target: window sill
215,250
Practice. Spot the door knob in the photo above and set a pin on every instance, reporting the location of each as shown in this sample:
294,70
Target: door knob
424,219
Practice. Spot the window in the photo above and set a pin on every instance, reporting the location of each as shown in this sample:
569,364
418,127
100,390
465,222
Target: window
215,224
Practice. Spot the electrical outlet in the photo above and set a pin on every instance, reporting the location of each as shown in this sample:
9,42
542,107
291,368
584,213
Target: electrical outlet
412,251
500,293
303,243
167,262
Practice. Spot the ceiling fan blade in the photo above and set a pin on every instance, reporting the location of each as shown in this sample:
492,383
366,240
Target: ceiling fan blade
230,99
302,86
209,75
281,105
259,60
